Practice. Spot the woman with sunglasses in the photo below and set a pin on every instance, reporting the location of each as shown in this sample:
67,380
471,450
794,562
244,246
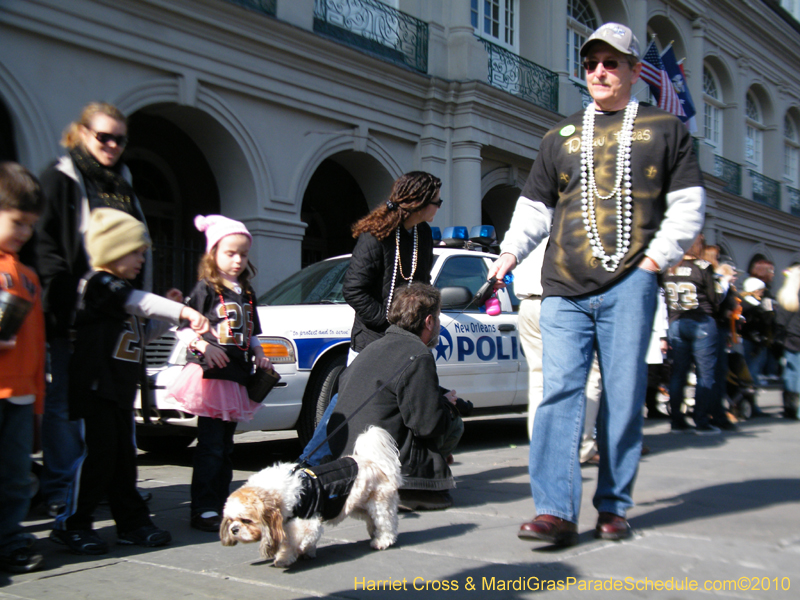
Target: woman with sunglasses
91,175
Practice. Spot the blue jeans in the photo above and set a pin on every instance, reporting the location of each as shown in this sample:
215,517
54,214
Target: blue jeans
16,443
212,470
755,355
717,409
62,445
791,372
693,340
617,324
320,433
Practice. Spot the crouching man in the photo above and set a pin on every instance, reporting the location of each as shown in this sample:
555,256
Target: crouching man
424,423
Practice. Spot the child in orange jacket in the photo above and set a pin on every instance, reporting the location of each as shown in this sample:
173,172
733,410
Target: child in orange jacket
22,358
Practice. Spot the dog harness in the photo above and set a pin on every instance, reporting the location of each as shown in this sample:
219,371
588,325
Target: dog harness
325,488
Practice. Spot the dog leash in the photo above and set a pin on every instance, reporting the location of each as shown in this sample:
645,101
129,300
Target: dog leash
362,405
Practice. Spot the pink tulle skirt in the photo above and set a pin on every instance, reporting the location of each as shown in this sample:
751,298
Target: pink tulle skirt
215,398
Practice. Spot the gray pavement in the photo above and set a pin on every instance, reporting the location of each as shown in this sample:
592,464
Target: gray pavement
718,511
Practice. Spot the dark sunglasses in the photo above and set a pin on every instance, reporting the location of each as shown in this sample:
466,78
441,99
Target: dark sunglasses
438,204
609,64
105,138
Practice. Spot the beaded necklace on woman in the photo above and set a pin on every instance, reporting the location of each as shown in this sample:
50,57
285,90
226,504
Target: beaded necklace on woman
621,190
398,265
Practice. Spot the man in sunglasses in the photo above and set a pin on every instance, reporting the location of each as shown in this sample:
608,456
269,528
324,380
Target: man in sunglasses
619,189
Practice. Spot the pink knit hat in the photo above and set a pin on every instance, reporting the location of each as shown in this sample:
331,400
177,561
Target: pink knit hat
217,227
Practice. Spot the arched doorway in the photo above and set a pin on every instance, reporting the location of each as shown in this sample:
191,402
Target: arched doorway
8,149
174,182
497,207
344,188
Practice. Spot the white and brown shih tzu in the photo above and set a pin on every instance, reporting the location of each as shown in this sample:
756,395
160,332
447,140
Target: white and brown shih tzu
284,506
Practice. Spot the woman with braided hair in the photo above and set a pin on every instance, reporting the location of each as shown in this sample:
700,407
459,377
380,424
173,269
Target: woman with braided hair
394,248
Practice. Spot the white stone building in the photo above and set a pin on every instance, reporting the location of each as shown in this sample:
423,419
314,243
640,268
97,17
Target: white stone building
295,116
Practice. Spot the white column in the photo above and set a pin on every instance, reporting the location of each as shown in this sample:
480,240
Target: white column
466,184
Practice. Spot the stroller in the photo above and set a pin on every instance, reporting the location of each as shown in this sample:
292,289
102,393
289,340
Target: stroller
741,390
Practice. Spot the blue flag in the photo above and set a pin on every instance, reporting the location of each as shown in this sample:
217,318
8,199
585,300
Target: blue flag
678,80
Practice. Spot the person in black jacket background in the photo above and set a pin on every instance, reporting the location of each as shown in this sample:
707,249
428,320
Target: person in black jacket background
788,325
693,298
394,248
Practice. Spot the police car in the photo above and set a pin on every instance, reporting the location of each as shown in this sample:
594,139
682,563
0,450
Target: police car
306,334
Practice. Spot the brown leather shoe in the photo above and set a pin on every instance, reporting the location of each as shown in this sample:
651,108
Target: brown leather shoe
551,529
612,527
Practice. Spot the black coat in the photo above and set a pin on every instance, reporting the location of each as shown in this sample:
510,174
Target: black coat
410,408
788,328
368,280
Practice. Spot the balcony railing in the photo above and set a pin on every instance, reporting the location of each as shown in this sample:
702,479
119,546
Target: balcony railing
521,77
794,200
730,172
765,190
268,7
375,28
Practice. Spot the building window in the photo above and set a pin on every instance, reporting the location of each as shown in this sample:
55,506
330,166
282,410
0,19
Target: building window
496,21
712,111
754,133
791,151
581,22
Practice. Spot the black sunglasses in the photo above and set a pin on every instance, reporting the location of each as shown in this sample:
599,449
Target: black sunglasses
609,64
438,204
105,138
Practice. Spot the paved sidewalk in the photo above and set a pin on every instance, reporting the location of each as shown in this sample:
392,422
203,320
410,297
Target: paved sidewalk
710,510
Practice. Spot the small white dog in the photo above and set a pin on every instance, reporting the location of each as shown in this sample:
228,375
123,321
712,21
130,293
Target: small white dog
284,506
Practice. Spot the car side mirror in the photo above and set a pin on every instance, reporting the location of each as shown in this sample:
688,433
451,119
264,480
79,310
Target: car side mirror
455,297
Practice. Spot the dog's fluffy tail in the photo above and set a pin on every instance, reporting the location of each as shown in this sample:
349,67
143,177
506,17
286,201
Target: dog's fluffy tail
379,446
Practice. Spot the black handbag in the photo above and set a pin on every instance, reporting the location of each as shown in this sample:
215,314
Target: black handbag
260,382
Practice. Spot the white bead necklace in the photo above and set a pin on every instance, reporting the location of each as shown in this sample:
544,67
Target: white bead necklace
399,266
621,191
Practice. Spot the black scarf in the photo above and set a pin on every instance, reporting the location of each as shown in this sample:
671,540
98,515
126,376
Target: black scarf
105,186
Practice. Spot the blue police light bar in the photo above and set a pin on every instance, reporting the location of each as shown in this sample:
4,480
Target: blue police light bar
483,235
454,236
437,235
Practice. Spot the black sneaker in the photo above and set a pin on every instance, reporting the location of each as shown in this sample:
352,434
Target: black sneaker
21,560
725,425
706,430
82,541
209,523
680,427
148,536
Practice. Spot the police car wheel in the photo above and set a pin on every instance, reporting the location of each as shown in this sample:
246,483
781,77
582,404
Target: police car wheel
318,395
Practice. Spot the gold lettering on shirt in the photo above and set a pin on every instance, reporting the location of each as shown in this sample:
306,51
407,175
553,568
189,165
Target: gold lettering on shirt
650,172
573,144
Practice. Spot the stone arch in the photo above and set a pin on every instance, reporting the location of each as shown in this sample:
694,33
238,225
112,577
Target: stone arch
234,156
36,143
354,152
500,189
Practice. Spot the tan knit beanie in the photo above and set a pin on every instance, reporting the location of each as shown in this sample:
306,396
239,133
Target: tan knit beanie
112,234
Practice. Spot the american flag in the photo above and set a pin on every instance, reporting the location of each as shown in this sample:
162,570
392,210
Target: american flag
656,76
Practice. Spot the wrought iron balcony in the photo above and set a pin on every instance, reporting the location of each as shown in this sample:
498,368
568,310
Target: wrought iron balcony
375,28
268,7
765,190
794,200
521,77
730,172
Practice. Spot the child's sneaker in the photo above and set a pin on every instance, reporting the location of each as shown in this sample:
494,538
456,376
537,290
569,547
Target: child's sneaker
21,560
81,541
148,536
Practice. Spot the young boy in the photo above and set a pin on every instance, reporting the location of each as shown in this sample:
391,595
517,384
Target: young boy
22,359
104,371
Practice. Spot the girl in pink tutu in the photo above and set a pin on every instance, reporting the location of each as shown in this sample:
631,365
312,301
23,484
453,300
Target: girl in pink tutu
212,384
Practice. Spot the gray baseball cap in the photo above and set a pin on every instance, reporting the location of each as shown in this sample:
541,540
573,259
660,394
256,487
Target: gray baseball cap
615,35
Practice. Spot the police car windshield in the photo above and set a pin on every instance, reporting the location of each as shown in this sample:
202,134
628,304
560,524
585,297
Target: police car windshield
320,283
